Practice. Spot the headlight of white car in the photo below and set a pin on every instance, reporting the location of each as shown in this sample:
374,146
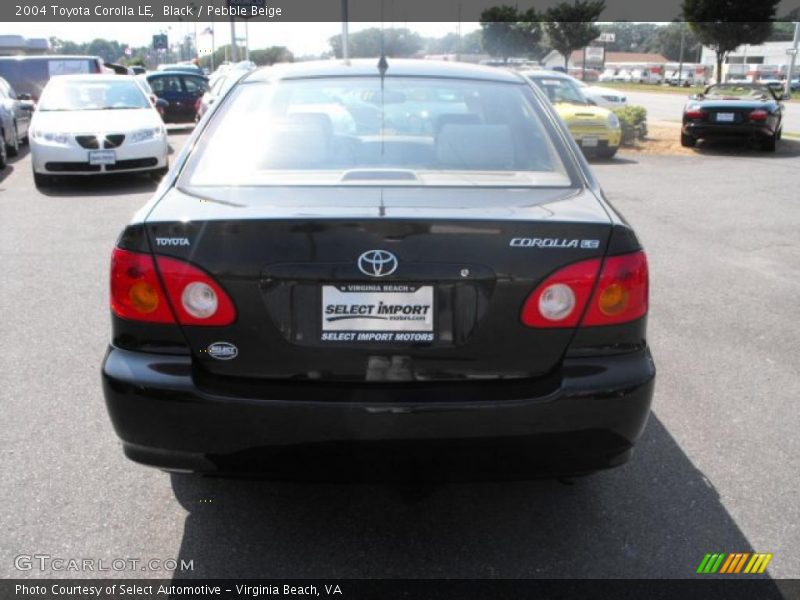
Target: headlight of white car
48,137
613,121
145,134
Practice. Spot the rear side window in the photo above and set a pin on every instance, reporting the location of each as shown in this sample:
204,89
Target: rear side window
406,131
194,84
170,83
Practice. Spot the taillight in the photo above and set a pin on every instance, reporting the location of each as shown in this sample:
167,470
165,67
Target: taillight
695,113
560,300
621,293
136,291
758,115
195,296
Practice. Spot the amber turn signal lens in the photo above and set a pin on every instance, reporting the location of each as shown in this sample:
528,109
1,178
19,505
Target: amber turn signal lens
143,297
613,300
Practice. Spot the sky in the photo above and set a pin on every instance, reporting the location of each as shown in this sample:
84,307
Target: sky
300,38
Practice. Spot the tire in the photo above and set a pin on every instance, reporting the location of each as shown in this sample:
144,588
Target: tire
13,148
607,153
688,141
770,144
3,153
41,180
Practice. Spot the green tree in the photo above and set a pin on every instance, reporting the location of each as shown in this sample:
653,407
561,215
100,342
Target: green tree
397,43
108,50
667,41
573,26
630,37
271,55
469,43
724,25
506,32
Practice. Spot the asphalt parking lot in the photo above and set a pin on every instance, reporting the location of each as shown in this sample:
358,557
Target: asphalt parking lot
716,471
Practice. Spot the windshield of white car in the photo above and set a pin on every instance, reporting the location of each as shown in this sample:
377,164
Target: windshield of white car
85,94
560,90
361,131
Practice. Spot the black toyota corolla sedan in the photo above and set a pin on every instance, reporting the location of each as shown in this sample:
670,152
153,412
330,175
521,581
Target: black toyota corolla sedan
377,266
734,110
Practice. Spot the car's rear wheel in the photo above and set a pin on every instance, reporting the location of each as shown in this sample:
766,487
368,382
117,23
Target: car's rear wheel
13,147
607,153
688,141
770,144
41,180
3,154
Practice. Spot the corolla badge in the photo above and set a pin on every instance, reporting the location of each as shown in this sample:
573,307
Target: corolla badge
377,263
222,350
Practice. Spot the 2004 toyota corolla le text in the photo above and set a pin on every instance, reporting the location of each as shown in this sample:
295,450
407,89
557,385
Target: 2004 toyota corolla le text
414,259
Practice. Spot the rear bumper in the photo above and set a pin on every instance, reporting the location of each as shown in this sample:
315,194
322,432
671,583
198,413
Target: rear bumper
708,130
591,421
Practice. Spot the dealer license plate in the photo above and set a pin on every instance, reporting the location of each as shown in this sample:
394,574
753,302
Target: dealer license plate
377,312
102,157
589,142
725,117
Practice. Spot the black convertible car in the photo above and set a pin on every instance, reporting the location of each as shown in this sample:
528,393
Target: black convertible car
745,110
379,268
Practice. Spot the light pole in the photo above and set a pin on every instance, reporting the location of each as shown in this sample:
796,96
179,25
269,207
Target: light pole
234,53
345,41
680,58
793,59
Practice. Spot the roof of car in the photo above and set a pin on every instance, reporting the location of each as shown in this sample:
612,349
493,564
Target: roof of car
369,67
24,57
174,72
93,77
541,73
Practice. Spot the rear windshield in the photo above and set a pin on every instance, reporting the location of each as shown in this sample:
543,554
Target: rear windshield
29,76
64,94
357,131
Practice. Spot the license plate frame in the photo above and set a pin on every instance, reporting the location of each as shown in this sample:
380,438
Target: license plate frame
359,312
102,157
725,117
590,141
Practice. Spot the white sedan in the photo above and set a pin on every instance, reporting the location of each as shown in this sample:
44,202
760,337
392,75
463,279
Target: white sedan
602,96
92,124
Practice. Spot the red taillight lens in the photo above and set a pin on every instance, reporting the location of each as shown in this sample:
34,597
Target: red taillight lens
758,115
560,300
695,113
136,291
195,296
622,291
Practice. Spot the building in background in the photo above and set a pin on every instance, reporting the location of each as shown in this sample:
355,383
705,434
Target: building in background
769,60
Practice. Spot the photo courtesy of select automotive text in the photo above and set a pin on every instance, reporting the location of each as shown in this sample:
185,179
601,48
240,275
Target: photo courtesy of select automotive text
399,299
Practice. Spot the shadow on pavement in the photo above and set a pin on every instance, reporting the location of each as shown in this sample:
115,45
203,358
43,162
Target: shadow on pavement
100,185
616,160
787,148
655,517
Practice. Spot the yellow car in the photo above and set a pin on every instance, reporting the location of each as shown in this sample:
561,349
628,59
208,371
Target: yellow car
596,130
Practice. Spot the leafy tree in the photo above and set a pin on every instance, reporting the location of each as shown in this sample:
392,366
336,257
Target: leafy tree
726,24
271,55
667,41
505,31
469,43
630,37
572,26
108,50
366,43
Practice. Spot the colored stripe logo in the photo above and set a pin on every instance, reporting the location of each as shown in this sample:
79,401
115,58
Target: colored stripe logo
734,563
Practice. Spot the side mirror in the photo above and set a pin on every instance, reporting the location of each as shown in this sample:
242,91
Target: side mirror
591,102
161,103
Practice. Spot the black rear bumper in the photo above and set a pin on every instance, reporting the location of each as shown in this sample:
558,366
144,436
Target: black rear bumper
743,130
590,420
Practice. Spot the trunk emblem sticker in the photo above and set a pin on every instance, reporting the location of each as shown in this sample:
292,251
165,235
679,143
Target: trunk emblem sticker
377,263
222,350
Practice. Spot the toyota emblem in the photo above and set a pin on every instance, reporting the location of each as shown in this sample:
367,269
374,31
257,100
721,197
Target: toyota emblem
377,263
